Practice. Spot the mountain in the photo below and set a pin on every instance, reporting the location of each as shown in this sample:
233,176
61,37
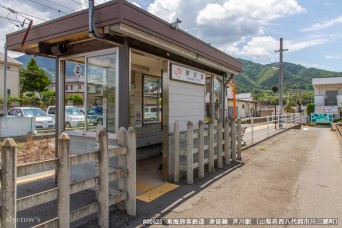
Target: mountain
255,76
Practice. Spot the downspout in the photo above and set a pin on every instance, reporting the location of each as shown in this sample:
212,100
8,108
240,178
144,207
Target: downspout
234,98
92,29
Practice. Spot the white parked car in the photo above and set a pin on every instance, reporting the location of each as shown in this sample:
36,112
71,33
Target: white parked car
42,120
73,116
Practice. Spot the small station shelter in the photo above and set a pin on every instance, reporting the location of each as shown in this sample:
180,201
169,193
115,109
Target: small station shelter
150,73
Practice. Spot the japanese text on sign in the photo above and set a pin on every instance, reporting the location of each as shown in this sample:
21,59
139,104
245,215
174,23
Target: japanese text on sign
187,75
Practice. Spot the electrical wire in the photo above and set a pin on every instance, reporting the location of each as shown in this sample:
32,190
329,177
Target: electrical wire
79,3
21,13
59,11
61,5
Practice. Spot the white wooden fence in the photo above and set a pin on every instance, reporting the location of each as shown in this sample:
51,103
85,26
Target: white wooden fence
222,143
124,196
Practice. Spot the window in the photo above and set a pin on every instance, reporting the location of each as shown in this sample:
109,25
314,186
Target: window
88,89
8,92
243,106
218,98
66,87
152,99
98,89
11,112
71,87
79,87
331,97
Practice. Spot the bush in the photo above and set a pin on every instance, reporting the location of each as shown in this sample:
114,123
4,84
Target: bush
310,108
76,98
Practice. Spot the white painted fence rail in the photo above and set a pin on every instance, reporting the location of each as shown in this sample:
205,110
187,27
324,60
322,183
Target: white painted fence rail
126,175
259,128
207,144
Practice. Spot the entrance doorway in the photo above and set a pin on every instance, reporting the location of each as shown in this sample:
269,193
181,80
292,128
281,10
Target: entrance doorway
90,92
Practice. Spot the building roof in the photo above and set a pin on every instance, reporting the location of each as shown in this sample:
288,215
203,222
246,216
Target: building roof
244,96
10,60
327,81
123,20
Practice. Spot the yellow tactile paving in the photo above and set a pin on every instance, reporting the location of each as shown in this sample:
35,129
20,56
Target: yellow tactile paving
157,192
144,187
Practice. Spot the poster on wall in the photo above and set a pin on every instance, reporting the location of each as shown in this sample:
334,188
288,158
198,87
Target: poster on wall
187,75
330,109
138,118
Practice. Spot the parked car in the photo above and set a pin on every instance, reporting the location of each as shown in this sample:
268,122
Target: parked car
42,120
152,113
73,116
95,115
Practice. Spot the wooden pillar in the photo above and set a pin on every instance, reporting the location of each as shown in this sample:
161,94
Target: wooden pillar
201,149
63,180
233,138
8,183
211,147
176,152
190,154
219,144
227,142
132,171
103,180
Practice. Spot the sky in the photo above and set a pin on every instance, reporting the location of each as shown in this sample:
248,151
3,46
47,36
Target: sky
248,29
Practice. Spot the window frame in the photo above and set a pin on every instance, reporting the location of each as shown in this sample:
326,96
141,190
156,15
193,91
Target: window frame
159,96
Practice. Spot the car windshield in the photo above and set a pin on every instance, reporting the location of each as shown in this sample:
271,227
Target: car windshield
34,112
73,111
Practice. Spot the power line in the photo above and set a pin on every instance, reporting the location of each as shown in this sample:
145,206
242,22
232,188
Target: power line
20,13
79,3
61,5
59,11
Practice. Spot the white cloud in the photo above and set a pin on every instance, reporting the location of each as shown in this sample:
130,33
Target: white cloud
333,56
324,25
165,9
264,46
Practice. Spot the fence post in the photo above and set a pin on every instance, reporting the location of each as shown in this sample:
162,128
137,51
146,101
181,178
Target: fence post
176,153
226,141
63,180
291,119
190,154
219,144
211,147
278,121
8,183
122,163
103,179
201,149
238,139
268,126
233,138
132,172
252,128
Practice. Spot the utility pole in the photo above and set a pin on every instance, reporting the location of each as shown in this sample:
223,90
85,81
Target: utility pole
281,50
5,81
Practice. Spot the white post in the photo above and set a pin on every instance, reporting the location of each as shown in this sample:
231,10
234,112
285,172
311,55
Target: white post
226,142
268,126
201,149
63,180
211,148
132,171
103,179
238,139
176,153
8,183
219,144
252,128
190,154
278,121
122,163
233,138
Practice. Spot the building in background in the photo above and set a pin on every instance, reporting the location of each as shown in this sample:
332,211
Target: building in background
328,95
12,78
245,105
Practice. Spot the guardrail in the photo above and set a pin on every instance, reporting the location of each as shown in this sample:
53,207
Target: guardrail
125,175
259,128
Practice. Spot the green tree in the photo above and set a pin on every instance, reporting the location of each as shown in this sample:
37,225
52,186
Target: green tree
33,79
310,108
76,98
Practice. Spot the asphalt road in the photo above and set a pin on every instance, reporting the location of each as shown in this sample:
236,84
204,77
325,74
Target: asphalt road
297,174
294,174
